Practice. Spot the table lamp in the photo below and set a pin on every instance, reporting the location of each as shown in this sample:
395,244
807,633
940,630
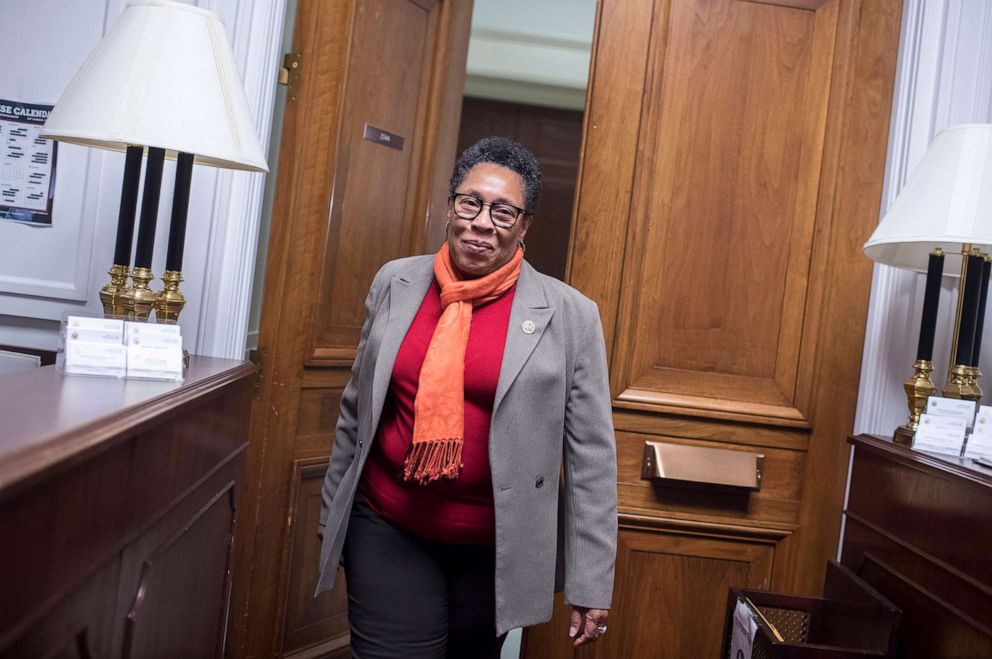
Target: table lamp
164,78
943,216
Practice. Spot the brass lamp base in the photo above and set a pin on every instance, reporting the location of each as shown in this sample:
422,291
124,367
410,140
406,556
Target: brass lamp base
139,300
918,389
962,383
111,295
170,301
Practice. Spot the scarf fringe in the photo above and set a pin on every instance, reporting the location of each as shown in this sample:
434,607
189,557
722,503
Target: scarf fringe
432,460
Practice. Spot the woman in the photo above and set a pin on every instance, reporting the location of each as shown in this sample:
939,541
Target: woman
477,382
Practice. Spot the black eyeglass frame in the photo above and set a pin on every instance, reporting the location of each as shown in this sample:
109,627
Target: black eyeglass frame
521,212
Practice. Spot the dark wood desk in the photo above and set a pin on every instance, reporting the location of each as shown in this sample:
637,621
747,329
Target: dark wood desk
919,529
117,511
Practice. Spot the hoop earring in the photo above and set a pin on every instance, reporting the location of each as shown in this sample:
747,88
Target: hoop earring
523,247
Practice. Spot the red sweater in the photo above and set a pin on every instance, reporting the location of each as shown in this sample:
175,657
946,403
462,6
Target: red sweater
456,511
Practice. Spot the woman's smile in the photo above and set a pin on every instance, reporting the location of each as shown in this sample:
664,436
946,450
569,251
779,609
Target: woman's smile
477,247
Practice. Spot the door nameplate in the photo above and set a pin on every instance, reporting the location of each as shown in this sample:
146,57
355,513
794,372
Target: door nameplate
383,137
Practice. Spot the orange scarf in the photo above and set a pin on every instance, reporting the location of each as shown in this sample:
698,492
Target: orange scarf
439,407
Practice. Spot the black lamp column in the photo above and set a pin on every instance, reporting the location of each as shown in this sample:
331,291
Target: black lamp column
961,379
920,386
139,302
111,294
974,373
980,324
170,301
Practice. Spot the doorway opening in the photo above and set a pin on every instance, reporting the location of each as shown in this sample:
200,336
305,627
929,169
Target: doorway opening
526,78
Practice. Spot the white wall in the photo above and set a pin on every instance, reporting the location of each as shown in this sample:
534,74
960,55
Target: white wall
45,41
944,77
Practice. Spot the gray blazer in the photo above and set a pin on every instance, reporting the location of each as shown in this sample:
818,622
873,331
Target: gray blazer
551,423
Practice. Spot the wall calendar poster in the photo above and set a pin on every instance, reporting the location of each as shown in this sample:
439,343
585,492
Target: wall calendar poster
27,164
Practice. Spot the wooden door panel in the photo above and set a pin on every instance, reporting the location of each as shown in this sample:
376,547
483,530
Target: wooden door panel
725,207
318,414
374,188
669,598
310,622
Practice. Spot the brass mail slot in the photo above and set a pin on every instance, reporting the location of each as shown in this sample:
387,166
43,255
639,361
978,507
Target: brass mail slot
677,464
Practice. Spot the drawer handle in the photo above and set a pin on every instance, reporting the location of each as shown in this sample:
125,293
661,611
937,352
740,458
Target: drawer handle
677,464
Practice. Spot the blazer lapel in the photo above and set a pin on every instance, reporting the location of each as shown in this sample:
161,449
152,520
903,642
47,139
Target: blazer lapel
529,316
406,293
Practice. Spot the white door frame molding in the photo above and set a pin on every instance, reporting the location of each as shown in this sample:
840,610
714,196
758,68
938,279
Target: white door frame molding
944,77
256,27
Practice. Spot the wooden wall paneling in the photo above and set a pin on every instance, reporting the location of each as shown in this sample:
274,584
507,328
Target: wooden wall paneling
343,206
658,568
617,78
663,607
714,429
723,247
317,415
306,168
711,314
374,186
856,142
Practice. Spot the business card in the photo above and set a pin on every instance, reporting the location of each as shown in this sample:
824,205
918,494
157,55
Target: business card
89,335
938,434
963,409
155,362
82,358
979,446
983,420
152,329
155,340
95,326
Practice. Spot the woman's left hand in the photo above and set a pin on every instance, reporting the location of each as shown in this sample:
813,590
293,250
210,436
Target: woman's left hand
587,625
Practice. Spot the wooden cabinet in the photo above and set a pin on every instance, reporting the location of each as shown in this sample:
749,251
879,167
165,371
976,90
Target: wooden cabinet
731,169
918,529
117,511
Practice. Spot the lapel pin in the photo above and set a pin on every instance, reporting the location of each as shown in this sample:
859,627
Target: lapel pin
528,327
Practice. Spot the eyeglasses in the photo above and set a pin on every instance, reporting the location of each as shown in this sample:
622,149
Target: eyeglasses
503,215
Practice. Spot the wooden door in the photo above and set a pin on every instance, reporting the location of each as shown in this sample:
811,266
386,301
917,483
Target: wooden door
732,168
392,70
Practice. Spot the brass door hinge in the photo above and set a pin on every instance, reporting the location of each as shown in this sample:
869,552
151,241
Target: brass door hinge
257,357
289,74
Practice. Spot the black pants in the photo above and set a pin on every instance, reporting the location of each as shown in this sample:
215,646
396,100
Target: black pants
413,598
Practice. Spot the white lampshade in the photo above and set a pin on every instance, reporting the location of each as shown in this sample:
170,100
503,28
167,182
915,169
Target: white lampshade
946,202
164,76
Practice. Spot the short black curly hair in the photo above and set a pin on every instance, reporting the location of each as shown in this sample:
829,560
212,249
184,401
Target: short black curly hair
504,152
